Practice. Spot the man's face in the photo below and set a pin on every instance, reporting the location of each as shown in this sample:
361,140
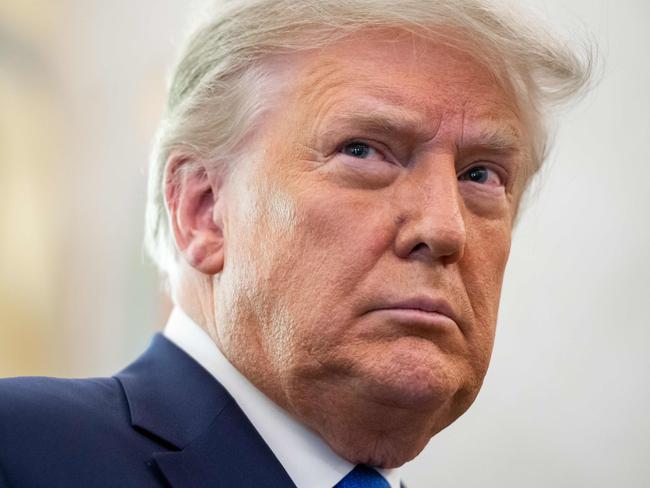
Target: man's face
366,239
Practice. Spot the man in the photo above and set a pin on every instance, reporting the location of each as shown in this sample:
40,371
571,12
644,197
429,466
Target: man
332,197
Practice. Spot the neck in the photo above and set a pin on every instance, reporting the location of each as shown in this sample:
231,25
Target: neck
193,292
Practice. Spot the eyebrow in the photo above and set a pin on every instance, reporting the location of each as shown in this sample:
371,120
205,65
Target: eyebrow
486,134
494,137
383,120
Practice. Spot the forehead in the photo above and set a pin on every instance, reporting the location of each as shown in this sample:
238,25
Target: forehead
387,77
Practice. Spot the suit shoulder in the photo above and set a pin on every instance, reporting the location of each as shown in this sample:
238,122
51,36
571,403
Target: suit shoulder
53,407
70,432
29,396
47,421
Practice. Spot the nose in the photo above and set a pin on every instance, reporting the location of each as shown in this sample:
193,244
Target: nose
432,223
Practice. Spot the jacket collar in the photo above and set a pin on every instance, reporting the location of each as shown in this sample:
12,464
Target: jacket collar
171,397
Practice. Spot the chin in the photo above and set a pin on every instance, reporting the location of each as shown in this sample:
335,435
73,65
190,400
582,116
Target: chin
385,404
390,430
420,379
382,444
385,454
419,391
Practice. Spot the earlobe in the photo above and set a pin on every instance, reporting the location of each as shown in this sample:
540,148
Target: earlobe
192,196
205,255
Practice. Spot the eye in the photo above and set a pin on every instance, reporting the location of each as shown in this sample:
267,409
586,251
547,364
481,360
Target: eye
361,150
481,175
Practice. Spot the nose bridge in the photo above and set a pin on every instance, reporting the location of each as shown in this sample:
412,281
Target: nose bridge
434,220
442,205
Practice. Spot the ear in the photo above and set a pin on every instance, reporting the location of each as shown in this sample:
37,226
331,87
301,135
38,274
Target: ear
192,198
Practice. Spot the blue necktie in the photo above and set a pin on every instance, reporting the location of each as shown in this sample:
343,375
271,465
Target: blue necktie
363,476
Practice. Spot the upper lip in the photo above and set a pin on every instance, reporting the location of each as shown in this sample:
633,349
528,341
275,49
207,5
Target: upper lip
426,304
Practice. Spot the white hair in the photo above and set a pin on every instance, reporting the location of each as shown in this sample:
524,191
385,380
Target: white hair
215,95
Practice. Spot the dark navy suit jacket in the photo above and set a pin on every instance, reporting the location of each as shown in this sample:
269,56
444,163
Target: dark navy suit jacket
163,421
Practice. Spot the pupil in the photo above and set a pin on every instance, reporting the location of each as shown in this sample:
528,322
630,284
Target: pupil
357,150
478,175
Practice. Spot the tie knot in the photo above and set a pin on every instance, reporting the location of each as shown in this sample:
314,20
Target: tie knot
363,476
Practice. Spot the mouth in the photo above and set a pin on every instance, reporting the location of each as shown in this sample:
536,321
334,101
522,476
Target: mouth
423,311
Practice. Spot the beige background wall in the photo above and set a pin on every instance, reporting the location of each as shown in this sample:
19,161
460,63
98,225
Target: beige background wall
566,400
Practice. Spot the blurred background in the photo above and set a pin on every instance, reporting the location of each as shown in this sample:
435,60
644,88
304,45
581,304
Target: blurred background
566,402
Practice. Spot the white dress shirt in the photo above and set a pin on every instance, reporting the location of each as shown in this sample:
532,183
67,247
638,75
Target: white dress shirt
307,459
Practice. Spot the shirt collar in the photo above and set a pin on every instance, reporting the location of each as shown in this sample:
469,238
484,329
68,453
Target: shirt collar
304,455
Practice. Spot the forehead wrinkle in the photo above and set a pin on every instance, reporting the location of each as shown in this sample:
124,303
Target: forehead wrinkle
320,77
317,80
331,96
333,101
362,102
313,91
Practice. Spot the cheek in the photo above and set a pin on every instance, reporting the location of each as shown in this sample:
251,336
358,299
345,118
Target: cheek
482,268
354,229
336,241
320,262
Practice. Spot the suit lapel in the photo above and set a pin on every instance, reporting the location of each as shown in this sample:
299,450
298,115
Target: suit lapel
210,441
229,453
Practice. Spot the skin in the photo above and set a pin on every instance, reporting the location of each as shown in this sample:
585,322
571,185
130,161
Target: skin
391,170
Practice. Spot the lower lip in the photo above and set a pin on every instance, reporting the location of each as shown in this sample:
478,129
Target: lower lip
414,316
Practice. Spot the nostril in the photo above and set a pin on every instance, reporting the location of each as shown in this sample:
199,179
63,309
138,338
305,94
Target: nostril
446,247
420,247
421,252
